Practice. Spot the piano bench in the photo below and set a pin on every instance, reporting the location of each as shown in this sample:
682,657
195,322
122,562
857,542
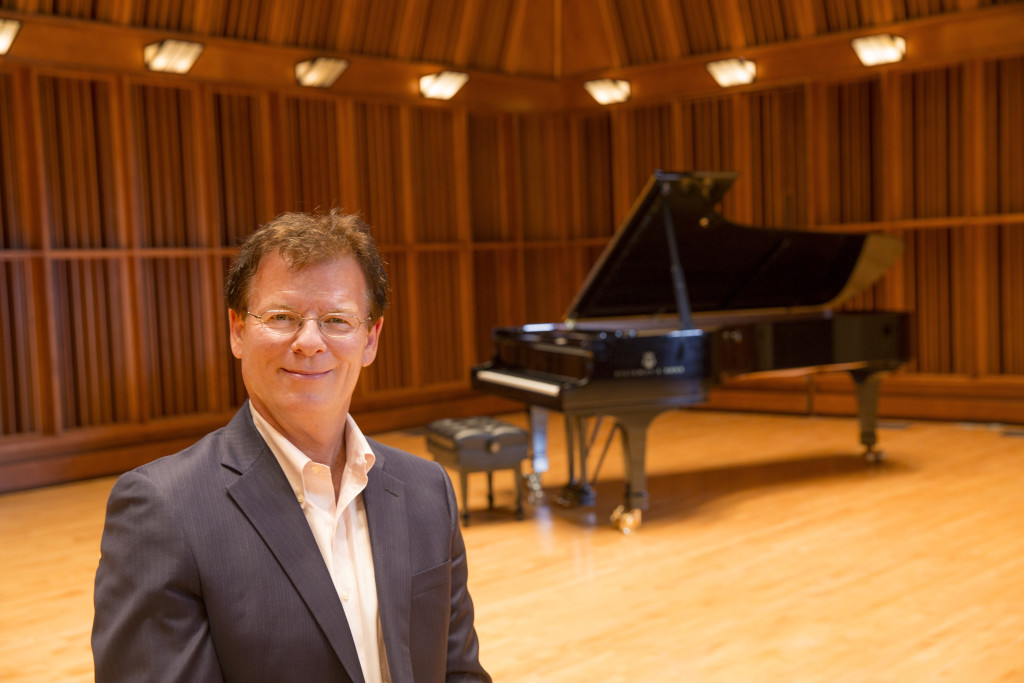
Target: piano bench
479,444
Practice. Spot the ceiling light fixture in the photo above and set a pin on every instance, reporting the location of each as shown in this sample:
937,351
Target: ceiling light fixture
880,49
730,72
8,32
608,90
443,85
172,56
321,72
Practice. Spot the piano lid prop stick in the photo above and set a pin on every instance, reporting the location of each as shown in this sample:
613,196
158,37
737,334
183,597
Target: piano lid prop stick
678,281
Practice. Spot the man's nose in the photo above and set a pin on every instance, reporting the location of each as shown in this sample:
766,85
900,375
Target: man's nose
308,339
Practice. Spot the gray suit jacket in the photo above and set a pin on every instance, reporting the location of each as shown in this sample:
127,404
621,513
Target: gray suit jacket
209,572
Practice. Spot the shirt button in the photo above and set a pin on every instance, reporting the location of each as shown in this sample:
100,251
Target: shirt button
316,469
302,498
344,596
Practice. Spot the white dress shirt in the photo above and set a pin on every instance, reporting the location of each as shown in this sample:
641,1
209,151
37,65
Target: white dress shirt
340,529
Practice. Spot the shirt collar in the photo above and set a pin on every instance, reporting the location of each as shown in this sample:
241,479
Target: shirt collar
359,458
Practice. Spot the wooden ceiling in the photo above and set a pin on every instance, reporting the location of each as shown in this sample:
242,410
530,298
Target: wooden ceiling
533,38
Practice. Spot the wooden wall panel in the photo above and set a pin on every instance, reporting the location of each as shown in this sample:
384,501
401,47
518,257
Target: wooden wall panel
91,313
1008,315
393,369
379,166
488,169
166,173
931,166
433,210
13,235
592,179
178,316
79,163
930,255
311,152
707,135
239,151
499,299
551,281
19,382
652,145
778,169
850,178
233,387
544,177
438,293
1004,135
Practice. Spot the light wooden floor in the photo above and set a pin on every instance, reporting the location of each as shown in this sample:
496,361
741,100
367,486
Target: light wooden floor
770,553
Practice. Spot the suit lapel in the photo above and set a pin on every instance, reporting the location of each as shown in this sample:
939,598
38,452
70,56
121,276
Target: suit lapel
264,496
389,538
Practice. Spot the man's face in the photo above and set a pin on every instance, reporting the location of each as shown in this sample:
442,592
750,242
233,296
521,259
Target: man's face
292,379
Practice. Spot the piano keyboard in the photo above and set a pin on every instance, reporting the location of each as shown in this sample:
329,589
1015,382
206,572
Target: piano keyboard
518,382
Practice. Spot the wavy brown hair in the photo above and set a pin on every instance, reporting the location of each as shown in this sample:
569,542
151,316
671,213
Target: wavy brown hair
307,239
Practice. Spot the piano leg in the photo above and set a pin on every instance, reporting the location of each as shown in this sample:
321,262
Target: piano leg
539,438
633,428
867,382
539,447
578,491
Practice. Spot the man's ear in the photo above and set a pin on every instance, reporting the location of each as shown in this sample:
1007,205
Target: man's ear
236,323
372,339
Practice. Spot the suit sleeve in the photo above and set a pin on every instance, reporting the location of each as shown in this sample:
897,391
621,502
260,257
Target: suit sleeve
150,622
463,646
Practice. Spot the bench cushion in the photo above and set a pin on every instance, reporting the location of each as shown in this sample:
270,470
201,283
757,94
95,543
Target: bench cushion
477,443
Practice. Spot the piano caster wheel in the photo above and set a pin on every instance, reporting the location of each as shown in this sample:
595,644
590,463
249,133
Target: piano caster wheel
626,521
873,456
534,489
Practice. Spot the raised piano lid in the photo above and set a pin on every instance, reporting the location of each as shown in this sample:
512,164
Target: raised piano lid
727,268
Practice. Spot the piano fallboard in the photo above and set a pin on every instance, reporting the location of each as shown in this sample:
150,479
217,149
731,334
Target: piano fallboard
569,370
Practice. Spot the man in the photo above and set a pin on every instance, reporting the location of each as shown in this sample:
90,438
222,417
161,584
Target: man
286,546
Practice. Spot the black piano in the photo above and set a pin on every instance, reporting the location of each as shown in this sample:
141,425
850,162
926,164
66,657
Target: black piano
682,299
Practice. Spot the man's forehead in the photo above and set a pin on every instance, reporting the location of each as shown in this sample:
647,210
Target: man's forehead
340,269
282,261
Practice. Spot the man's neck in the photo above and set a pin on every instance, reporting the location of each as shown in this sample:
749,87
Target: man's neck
322,439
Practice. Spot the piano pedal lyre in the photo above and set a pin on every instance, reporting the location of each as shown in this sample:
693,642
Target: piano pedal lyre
627,521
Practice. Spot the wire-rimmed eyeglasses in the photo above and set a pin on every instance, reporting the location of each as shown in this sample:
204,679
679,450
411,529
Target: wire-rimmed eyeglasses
287,323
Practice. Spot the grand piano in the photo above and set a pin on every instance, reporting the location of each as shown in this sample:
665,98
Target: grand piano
682,299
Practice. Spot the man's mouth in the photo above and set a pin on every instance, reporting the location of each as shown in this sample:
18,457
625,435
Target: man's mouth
306,374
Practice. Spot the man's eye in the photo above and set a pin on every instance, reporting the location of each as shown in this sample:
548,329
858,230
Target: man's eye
337,320
281,317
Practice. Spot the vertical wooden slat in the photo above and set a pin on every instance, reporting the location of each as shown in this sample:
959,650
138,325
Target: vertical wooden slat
978,345
348,157
741,197
50,159
460,173
1011,250
818,176
70,167
403,125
